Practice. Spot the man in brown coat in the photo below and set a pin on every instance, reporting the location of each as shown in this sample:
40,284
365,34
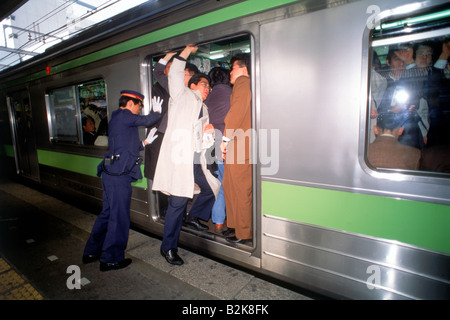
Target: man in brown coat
386,151
237,178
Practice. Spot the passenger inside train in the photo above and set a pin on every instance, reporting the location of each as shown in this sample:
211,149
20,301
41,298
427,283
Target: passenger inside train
68,108
88,125
412,80
218,66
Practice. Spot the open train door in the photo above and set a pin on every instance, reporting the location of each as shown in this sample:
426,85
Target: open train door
23,135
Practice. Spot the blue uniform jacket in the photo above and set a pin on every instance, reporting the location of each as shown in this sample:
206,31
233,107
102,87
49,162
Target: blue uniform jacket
124,143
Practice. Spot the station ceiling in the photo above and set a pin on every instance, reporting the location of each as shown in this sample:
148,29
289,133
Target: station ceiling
29,27
9,6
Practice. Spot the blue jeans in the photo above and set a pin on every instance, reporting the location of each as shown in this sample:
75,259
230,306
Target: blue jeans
218,210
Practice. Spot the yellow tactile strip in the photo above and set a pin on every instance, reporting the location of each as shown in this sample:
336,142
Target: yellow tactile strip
13,286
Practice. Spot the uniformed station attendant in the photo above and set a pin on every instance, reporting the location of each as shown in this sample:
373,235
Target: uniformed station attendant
120,167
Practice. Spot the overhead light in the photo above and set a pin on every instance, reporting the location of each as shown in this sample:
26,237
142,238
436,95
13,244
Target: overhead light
217,56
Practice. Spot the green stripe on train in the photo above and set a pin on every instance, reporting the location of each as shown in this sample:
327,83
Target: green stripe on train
76,163
421,224
225,14
417,223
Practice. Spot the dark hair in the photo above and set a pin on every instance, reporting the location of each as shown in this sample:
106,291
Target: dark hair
243,60
195,79
84,120
390,54
219,75
389,120
124,100
192,68
397,47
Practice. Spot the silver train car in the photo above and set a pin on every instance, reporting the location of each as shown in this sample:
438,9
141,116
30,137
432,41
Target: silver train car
325,216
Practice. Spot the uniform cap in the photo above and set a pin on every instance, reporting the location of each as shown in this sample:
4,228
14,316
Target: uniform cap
132,94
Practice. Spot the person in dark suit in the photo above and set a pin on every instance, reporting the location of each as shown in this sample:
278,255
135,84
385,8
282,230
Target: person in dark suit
159,89
436,158
120,167
386,151
403,96
218,103
89,134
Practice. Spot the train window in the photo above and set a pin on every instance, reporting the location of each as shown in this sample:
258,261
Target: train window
92,97
409,105
212,55
77,114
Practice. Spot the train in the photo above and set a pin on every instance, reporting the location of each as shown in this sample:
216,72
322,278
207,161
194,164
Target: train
325,218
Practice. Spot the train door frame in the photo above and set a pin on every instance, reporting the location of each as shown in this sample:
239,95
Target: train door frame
25,156
250,255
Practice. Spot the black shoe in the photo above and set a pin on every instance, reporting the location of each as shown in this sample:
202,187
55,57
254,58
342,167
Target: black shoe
237,240
88,258
172,257
229,233
106,266
193,222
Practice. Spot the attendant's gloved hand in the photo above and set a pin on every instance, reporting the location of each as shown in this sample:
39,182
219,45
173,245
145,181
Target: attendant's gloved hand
156,104
151,136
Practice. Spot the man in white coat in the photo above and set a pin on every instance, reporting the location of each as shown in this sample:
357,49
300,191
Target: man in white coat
181,161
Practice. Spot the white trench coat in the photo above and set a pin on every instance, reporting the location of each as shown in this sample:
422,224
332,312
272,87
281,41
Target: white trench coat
174,174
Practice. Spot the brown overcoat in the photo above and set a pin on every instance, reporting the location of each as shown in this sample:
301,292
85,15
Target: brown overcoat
237,179
387,152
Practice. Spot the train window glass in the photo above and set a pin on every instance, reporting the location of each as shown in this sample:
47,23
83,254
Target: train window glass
409,104
94,120
62,109
214,54
77,114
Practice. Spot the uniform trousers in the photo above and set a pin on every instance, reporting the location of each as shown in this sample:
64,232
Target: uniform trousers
109,235
177,205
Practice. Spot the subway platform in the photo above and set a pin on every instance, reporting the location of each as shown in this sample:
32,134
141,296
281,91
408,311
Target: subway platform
41,245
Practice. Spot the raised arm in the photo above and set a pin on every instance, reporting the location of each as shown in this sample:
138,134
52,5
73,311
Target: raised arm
176,72
158,72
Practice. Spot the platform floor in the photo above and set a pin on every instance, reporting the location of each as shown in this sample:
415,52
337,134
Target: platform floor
41,245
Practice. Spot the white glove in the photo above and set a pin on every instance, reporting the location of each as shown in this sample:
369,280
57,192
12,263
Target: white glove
156,104
151,136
